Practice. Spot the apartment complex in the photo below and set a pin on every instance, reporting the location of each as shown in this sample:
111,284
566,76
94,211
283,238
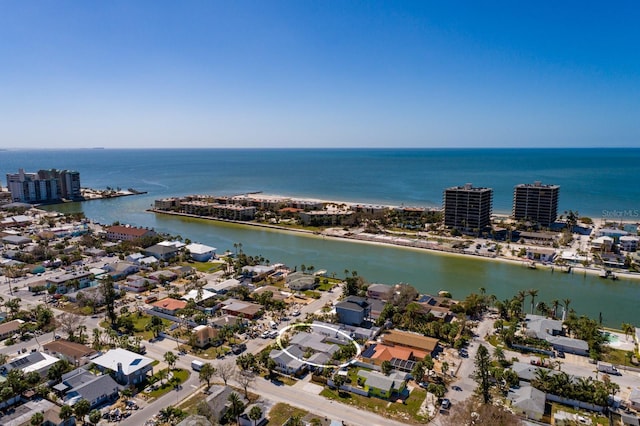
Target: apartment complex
536,203
44,186
467,207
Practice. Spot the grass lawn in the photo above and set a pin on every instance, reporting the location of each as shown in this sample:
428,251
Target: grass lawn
595,418
179,375
208,267
208,353
617,356
282,412
407,412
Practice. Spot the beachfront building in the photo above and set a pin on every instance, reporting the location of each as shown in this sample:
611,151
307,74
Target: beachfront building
44,186
467,207
127,233
536,203
201,252
629,243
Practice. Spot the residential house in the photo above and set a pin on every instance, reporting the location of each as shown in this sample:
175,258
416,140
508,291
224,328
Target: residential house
33,361
183,270
16,240
241,308
540,327
169,306
205,335
218,401
8,329
401,358
136,284
355,332
127,367
121,270
77,354
380,291
257,272
421,345
276,293
224,286
161,251
95,253
527,401
82,384
602,244
629,243
163,276
127,233
71,281
134,258
298,281
289,363
199,295
195,420
377,384
614,233
541,254
353,310
244,419
201,252
226,321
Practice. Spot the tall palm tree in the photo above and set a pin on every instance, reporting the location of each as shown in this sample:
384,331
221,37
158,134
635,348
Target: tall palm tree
566,302
533,293
237,406
628,329
522,294
554,304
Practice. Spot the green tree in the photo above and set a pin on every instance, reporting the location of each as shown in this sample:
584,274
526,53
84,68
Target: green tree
237,406
482,373
81,409
94,416
170,358
533,293
155,325
37,419
255,414
206,373
386,367
65,412
56,371
109,295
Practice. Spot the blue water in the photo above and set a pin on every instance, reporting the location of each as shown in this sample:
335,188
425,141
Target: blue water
591,180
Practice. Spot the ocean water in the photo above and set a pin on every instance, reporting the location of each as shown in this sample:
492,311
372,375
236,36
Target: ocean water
593,181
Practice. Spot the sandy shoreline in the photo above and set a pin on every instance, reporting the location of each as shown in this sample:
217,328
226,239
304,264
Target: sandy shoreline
430,250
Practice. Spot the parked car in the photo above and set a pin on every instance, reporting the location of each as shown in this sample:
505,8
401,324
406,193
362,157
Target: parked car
446,404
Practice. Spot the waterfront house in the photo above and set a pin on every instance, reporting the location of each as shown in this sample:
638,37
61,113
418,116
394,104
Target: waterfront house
127,233
569,345
201,252
127,367
82,384
257,272
380,291
602,244
169,306
540,254
298,281
75,353
353,310
377,384
614,233
629,243
161,251
540,327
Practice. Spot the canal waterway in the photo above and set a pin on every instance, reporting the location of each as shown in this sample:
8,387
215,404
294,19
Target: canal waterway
429,272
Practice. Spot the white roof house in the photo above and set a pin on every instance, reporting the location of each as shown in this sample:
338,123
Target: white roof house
129,367
193,295
201,252
39,362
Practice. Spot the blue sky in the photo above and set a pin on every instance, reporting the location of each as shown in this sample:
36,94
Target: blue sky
319,74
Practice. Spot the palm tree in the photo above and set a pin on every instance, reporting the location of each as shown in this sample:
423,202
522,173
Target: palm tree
533,293
81,409
255,414
237,406
65,412
566,309
628,329
170,358
521,296
554,304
